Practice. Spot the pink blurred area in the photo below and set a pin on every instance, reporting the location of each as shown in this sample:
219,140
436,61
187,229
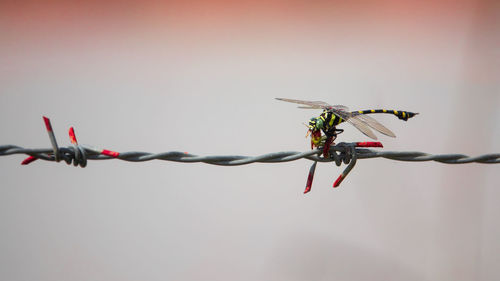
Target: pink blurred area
391,19
419,30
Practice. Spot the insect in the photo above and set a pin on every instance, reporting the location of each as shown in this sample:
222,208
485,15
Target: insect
333,115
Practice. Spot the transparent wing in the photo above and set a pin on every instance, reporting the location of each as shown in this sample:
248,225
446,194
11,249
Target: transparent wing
373,124
362,126
341,112
362,122
309,104
340,107
356,122
315,104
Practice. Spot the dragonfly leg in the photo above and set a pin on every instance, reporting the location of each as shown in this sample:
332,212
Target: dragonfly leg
331,135
326,148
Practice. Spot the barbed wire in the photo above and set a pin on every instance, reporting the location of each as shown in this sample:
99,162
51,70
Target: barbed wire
68,154
346,153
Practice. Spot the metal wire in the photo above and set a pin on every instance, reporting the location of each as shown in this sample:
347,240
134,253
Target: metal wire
342,152
346,153
68,154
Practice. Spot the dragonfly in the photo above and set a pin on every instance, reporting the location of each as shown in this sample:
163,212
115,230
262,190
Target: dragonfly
333,115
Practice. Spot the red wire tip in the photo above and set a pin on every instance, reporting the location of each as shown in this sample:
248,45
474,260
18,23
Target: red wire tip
110,153
309,182
338,181
369,144
310,178
72,136
28,160
47,124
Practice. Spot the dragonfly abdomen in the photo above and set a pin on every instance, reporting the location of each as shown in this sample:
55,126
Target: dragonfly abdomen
403,115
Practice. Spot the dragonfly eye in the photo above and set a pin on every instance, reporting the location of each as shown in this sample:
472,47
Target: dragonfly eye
312,124
315,124
319,123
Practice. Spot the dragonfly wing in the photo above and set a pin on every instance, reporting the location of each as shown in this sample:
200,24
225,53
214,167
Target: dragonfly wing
308,104
340,112
340,107
307,107
363,127
374,124
327,106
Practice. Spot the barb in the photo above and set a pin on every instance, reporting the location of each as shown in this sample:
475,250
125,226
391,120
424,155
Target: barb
346,153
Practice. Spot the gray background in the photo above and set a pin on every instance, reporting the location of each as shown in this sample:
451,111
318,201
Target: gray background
202,77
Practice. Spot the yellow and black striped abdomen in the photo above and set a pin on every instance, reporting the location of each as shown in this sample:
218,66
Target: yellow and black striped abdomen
403,115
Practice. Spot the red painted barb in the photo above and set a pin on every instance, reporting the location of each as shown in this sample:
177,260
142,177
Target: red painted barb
110,153
308,188
369,144
309,182
310,178
47,124
338,181
28,160
72,136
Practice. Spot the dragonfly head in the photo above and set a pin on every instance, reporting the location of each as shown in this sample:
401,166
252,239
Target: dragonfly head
315,126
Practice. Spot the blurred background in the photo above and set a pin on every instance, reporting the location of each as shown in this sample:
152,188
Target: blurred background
201,77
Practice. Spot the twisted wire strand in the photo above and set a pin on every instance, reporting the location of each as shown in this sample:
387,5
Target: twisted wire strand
340,153
69,155
347,153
